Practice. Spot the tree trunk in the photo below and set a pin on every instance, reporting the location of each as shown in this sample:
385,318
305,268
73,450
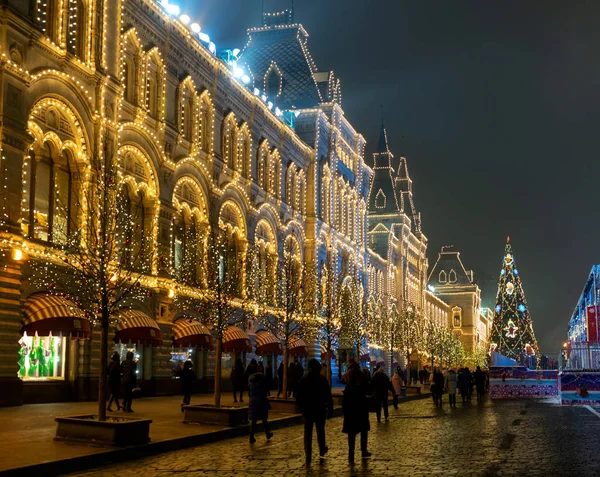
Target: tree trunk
285,371
103,363
218,364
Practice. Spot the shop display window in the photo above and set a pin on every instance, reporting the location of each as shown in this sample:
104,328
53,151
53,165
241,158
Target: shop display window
42,357
138,355
178,357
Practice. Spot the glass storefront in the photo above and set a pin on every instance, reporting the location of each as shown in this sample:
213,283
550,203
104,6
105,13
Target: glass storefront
138,355
42,357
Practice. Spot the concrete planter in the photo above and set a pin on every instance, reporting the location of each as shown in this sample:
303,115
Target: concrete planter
284,405
208,414
120,431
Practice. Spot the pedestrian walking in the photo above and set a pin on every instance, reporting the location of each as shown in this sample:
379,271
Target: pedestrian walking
269,377
258,405
187,383
421,375
238,380
129,370
413,375
480,379
355,409
463,387
469,382
291,378
397,382
438,386
114,381
261,367
451,384
298,374
313,396
381,385
280,379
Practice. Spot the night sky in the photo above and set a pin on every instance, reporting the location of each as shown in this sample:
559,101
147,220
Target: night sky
495,104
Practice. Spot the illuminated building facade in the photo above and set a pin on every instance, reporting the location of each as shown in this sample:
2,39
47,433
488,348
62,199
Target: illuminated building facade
453,284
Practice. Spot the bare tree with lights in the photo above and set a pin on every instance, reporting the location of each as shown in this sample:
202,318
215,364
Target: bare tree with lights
291,316
409,333
101,253
221,302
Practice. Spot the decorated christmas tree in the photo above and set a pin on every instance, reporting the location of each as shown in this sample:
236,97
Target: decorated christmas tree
512,331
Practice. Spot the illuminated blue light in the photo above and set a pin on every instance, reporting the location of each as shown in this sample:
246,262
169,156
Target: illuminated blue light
502,272
522,308
498,309
238,72
515,271
264,97
172,9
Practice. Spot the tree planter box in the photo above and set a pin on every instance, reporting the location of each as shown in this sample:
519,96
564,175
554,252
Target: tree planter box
284,405
208,414
116,431
413,389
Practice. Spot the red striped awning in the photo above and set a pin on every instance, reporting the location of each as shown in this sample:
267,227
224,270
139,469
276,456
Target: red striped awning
297,347
134,326
267,343
325,356
191,333
236,339
45,314
364,354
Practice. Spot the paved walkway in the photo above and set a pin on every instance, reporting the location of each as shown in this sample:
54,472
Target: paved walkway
507,438
27,432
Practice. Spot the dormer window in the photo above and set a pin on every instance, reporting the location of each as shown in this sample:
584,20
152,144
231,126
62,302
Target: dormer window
442,278
457,317
452,276
380,200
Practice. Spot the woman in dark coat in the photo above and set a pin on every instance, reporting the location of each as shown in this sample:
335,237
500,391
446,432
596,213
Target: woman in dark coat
187,381
129,368
238,380
258,407
114,381
356,410
280,379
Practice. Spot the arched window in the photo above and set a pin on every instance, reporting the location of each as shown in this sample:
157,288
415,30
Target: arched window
452,276
276,163
55,214
229,142
125,227
129,79
272,84
380,199
188,116
153,82
244,152
206,125
442,277
76,30
291,186
48,18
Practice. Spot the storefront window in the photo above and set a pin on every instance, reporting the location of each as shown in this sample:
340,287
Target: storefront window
42,357
178,357
138,355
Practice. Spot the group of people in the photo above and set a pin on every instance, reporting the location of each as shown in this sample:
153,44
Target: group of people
125,372
462,381
240,377
294,375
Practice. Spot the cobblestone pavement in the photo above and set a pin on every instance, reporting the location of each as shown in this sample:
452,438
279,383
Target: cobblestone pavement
500,438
